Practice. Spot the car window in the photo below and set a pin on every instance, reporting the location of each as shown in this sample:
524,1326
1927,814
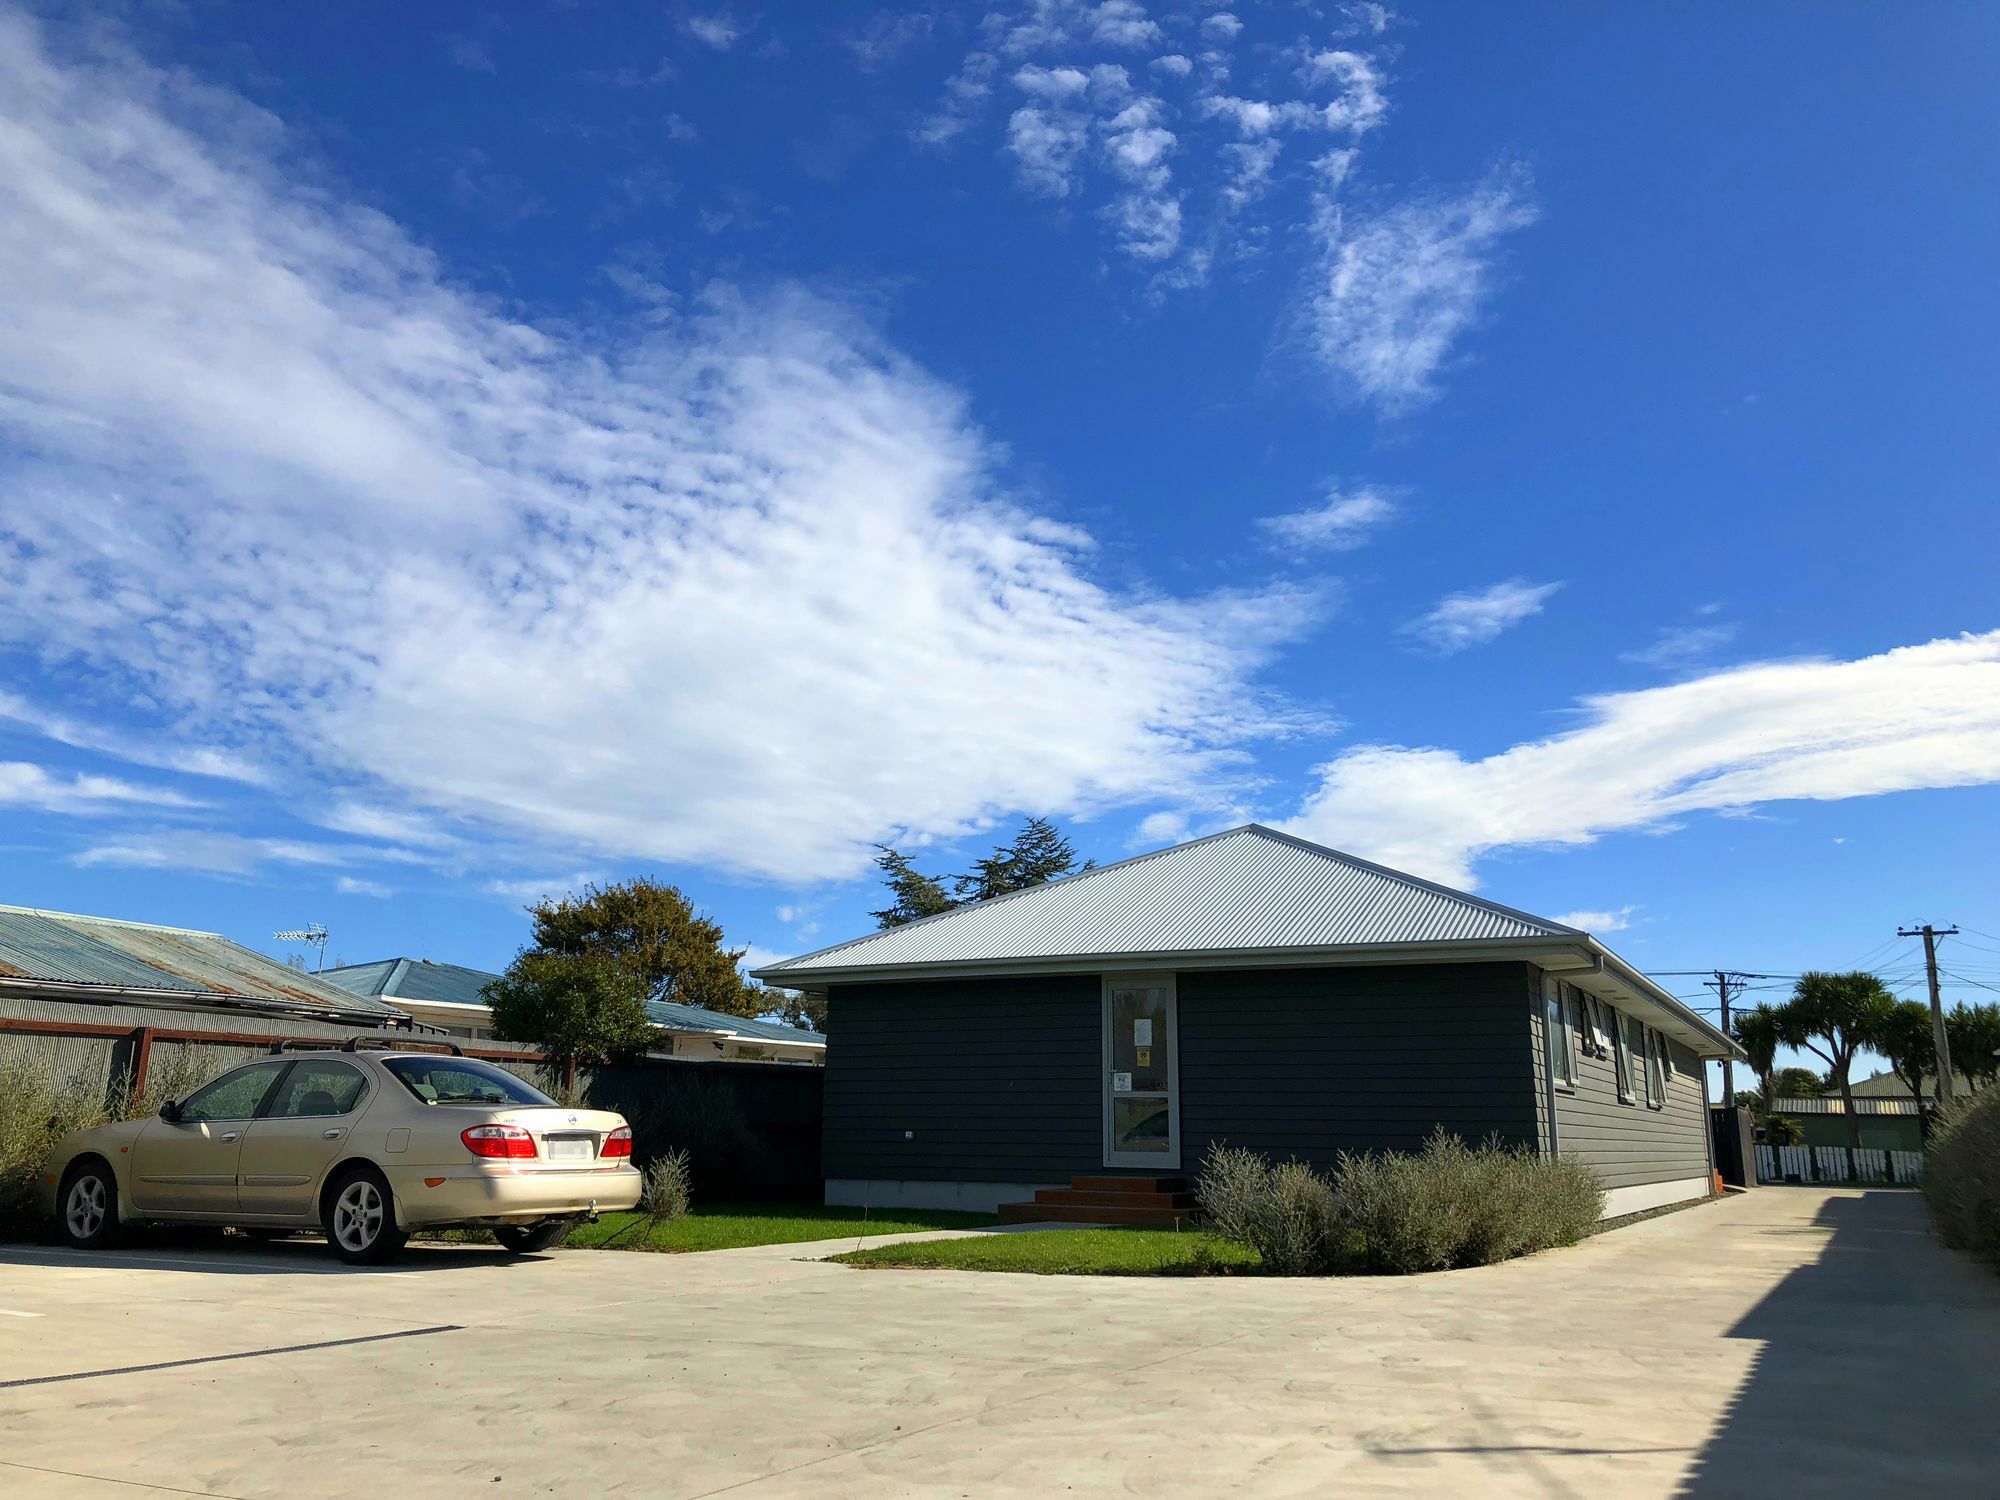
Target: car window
319,1086
233,1096
462,1080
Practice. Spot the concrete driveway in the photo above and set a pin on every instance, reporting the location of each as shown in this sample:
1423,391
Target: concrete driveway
1789,1342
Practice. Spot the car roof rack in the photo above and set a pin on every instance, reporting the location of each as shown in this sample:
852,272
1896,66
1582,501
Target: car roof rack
357,1044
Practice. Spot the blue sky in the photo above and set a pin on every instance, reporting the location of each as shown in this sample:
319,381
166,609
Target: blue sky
1547,449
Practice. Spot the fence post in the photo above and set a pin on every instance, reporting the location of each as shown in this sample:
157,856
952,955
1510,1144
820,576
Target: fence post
142,1058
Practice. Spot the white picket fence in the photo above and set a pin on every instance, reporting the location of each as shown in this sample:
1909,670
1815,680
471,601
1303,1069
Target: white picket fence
1779,1164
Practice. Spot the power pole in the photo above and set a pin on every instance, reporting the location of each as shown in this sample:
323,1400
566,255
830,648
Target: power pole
1723,982
1942,1084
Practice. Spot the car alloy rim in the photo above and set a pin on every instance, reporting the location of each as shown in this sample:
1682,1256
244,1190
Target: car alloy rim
357,1215
85,1209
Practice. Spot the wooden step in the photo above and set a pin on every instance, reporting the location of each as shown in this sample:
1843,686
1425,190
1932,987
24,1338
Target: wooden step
1129,1184
1090,1213
1182,1202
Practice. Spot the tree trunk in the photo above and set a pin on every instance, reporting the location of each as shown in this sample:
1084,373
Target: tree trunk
1853,1129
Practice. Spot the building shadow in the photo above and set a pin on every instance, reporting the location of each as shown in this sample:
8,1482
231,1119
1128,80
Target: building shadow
1878,1372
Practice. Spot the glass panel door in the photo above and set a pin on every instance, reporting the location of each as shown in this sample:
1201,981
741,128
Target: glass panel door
1141,1112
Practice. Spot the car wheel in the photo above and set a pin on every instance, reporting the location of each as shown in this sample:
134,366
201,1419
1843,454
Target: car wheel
360,1218
526,1239
87,1205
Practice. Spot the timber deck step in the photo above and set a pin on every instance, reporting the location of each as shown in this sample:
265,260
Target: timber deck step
1138,1201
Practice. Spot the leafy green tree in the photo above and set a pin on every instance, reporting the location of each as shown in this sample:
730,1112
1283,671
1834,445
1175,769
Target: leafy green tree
1833,1016
1972,1032
794,1008
1904,1037
1798,1083
916,894
578,1008
1756,1032
650,930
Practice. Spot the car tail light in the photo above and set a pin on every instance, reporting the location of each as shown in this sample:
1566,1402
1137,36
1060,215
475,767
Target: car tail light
618,1143
505,1142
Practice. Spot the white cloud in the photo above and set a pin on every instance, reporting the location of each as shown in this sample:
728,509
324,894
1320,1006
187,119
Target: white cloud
1396,290
383,823
1123,23
1174,65
720,30
1459,621
151,750
25,785
1047,144
1597,923
214,853
536,889
1344,522
965,94
1221,27
377,534
1681,647
1920,716
1138,147
348,885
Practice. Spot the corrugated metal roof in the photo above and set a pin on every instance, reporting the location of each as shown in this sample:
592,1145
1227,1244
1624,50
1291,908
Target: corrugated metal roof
424,979
1251,888
413,979
62,948
1833,1106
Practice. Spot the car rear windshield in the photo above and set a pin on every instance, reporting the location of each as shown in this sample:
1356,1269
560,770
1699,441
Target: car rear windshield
462,1080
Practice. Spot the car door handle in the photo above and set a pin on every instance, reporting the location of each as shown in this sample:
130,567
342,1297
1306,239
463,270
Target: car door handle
227,1135
332,1135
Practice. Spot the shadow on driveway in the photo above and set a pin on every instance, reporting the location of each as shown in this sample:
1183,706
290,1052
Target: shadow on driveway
233,1255
1879,1373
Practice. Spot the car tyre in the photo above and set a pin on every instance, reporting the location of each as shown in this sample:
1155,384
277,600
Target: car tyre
87,1205
526,1239
359,1216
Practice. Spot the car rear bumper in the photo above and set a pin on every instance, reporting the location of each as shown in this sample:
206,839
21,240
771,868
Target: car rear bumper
455,1195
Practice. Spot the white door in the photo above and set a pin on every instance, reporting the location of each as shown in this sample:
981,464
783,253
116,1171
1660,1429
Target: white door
1142,1117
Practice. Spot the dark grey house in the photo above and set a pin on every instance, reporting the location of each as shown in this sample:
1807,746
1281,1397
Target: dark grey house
1253,988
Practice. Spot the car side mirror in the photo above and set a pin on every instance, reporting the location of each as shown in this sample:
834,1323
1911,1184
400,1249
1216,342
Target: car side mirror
170,1112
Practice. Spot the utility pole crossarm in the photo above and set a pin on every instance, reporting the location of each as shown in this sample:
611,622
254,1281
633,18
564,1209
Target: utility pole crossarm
1941,1085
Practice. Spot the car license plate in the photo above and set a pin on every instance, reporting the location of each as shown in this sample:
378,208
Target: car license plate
570,1147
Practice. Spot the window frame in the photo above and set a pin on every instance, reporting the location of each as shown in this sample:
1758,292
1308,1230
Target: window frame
1659,1067
1559,1034
1621,1057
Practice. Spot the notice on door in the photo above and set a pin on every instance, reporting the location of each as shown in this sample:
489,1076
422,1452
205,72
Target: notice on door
1121,1083
1142,1032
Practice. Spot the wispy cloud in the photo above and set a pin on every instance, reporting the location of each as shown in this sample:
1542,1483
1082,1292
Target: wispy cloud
349,885
1597,923
1681,647
25,785
1398,289
156,750
212,853
544,887
1919,716
1347,520
369,527
1460,621
719,30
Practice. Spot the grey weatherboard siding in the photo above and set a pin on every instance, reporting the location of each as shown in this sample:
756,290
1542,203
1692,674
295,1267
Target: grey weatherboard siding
999,1079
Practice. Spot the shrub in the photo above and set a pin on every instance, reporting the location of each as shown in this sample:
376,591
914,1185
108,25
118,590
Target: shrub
1285,1213
668,1189
1961,1177
1450,1204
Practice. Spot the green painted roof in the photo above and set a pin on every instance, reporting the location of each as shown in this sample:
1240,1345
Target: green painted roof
53,948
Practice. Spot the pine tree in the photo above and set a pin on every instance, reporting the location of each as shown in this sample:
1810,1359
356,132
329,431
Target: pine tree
917,894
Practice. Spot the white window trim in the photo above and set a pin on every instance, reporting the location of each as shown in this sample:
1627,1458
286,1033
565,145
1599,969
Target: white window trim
1558,1035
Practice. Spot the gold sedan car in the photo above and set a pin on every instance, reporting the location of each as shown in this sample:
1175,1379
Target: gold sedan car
365,1144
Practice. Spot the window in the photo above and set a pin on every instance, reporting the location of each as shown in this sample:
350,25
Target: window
319,1086
233,1096
1595,1032
1621,1054
462,1080
1557,1027
1659,1067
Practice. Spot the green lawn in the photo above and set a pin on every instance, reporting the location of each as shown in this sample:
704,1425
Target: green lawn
729,1226
1069,1252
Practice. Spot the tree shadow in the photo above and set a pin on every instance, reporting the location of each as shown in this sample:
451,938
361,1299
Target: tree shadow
1877,1372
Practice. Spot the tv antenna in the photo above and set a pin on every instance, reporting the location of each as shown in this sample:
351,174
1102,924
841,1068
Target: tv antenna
312,934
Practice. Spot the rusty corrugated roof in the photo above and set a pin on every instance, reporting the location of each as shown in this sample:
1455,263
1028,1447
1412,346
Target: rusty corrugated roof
62,948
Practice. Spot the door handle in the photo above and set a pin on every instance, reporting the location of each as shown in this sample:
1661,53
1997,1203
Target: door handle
228,1135
332,1135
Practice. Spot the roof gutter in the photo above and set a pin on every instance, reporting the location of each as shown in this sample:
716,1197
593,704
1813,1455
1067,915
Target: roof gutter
165,999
